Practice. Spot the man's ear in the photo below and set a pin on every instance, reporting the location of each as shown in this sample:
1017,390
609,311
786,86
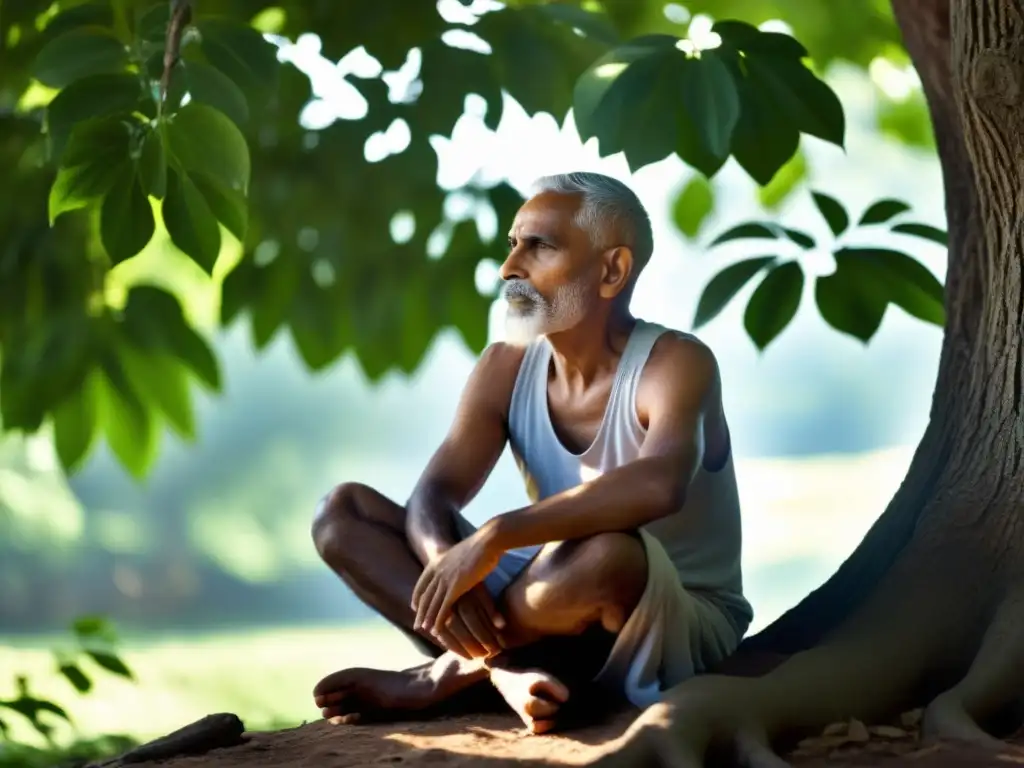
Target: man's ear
617,269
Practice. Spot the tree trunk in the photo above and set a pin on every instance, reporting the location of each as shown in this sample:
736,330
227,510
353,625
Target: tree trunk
930,607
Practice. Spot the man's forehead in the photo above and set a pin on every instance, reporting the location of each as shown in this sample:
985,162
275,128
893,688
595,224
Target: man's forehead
548,211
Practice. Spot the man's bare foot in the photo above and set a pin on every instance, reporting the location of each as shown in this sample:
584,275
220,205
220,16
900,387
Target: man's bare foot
533,694
360,694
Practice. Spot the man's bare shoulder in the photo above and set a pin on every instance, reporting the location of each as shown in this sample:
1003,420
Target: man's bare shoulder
501,361
678,356
494,376
680,366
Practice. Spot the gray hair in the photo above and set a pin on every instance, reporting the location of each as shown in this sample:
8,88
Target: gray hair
608,208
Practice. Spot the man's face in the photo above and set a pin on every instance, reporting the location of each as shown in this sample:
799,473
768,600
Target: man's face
552,270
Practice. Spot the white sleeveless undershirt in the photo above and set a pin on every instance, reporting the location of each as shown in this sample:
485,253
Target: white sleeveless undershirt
703,539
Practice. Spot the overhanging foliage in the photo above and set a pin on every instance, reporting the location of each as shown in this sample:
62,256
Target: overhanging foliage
125,124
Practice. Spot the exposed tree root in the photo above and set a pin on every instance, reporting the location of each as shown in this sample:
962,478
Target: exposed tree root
920,629
993,684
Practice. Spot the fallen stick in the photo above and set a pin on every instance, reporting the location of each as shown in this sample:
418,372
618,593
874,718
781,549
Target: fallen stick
211,732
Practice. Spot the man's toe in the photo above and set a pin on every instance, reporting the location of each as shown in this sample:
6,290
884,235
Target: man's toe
352,718
538,727
550,688
333,683
540,708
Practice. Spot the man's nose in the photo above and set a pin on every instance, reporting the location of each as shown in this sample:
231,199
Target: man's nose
512,267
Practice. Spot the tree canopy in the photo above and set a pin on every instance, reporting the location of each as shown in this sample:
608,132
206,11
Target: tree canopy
133,130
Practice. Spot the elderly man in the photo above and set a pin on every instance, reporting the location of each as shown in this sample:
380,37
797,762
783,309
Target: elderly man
624,571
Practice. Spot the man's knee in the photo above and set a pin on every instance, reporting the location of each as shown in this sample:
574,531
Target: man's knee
337,514
603,575
613,565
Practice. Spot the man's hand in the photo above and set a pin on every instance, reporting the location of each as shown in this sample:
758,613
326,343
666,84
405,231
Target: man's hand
448,578
474,629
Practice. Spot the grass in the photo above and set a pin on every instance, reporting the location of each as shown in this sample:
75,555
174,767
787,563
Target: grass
264,676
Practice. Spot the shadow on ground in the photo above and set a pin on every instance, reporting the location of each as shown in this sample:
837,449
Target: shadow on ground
490,741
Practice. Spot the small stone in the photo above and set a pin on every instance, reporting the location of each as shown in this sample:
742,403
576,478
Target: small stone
834,729
912,718
888,732
858,731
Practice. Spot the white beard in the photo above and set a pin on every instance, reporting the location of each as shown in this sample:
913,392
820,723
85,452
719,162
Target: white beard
521,330
566,310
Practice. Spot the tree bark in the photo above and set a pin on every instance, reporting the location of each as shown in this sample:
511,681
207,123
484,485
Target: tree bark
930,608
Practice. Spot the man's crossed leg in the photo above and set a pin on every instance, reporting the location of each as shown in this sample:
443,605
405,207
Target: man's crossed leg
561,615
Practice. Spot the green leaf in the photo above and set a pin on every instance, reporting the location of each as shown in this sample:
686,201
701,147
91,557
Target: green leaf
126,217
153,165
881,211
629,100
74,426
592,23
154,320
783,183
420,317
320,332
724,286
72,17
746,37
852,299
693,205
467,312
165,385
924,231
463,306
240,52
536,62
94,96
228,206
127,422
809,104
30,708
802,239
94,628
191,223
750,229
907,283
77,678
112,663
78,54
709,95
774,303
203,139
448,75
832,211
208,85
96,153
764,138
278,283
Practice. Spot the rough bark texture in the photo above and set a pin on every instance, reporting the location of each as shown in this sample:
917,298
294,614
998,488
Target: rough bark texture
930,608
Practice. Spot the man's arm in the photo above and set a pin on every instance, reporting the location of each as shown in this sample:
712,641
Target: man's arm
466,457
679,384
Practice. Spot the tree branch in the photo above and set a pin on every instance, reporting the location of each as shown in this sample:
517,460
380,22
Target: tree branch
181,15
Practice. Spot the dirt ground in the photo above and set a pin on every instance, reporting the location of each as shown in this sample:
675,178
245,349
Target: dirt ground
495,741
